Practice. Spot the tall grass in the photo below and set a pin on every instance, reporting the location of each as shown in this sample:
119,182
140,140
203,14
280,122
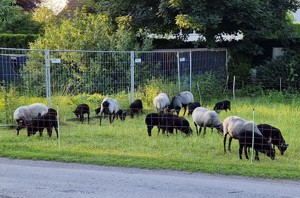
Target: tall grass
126,143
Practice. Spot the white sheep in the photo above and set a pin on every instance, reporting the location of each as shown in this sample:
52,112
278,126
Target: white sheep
161,101
110,107
24,114
181,100
234,125
206,118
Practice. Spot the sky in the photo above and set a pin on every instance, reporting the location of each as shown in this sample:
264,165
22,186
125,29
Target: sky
297,16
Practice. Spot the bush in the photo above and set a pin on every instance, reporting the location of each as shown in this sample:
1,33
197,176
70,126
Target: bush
17,40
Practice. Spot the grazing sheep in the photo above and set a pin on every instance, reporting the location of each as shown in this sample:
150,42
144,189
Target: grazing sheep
274,134
110,107
81,110
169,122
48,121
234,125
152,120
206,118
222,105
161,101
260,143
24,114
136,107
193,106
181,100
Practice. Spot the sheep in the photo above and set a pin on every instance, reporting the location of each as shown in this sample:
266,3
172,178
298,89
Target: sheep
161,101
193,106
222,105
183,99
136,107
24,114
82,109
48,121
206,118
110,107
151,120
169,122
260,143
234,125
274,134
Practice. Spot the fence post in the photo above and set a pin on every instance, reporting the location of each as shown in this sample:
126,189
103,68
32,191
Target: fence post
178,68
131,76
233,88
47,73
190,71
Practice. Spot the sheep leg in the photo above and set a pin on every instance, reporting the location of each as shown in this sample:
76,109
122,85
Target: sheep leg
245,151
229,144
101,118
49,131
224,142
256,155
196,128
149,129
184,108
81,118
240,150
88,118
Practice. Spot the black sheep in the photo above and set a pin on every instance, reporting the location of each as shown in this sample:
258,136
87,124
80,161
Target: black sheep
261,144
169,122
193,106
48,121
136,107
274,135
222,105
152,120
81,110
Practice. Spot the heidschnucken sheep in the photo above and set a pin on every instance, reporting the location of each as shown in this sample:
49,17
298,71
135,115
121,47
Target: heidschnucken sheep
274,134
234,125
152,120
136,107
193,106
260,143
161,101
183,99
24,114
222,105
110,107
206,118
82,109
169,122
48,121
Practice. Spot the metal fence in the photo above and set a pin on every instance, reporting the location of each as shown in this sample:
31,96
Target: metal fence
44,73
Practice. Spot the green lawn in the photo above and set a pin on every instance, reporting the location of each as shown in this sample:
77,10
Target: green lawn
127,144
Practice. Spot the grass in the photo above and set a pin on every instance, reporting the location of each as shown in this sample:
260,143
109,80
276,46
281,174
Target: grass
127,144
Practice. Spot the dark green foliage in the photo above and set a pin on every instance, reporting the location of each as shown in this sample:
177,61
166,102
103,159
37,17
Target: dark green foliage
17,40
279,74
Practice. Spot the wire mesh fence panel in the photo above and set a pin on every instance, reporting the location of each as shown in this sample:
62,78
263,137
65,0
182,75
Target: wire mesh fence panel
22,80
29,76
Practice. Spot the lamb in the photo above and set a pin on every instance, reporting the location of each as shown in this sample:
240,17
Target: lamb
181,100
82,109
234,125
193,106
222,105
24,114
152,120
110,107
48,121
206,118
169,122
260,144
161,101
274,134
136,107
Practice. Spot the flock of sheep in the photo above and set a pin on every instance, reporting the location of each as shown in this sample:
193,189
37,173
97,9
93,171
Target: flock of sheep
262,137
